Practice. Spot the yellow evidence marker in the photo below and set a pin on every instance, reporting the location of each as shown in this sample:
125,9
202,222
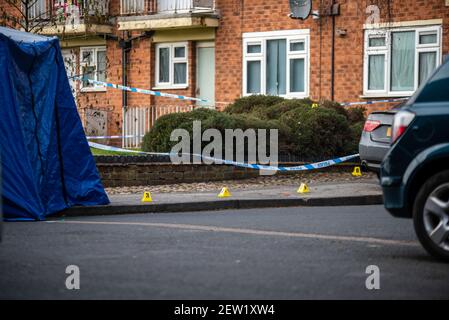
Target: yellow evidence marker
147,197
303,188
357,172
224,193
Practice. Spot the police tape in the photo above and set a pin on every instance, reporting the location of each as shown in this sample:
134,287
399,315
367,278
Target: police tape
144,91
306,167
364,103
180,97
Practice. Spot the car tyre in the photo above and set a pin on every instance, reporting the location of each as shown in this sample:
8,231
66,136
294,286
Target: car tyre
431,215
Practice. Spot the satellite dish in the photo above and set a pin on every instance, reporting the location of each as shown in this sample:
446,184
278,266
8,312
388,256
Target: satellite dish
300,9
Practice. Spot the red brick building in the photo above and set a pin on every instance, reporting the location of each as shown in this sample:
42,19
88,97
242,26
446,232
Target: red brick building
220,50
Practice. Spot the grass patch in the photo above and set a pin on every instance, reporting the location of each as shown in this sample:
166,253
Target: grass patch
99,152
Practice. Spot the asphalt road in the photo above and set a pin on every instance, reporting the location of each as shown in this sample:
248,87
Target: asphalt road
289,253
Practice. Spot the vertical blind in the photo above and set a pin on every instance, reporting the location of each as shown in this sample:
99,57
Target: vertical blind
164,65
427,63
253,77
297,75
376,65
403,61
276,67
101,66
180,73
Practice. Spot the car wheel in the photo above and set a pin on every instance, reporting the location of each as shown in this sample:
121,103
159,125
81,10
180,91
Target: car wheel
431,215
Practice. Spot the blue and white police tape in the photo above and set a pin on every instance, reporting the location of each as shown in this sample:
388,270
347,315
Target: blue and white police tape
180,97
364,103
306,167
144,91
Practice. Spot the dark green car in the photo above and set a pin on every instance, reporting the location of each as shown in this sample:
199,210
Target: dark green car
415,171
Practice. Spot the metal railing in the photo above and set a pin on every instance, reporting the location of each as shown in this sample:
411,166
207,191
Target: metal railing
91,7
139,120
37,10
130,7
44,9
179,6
134,6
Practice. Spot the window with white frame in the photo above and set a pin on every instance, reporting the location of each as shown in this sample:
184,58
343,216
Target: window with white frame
276,63
93,66
171,65
397,61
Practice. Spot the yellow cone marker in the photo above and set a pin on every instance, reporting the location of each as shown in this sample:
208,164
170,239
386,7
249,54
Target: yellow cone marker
357,172
224,193
147,197
303,188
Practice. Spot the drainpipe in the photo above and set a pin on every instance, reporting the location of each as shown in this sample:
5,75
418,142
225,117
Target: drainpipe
333,53
125,45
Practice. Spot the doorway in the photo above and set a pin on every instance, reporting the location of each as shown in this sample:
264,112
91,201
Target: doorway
205,71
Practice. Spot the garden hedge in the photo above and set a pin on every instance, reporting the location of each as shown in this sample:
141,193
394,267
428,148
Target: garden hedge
308,129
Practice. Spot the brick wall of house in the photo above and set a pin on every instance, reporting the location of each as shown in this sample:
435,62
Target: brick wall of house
240,16
256,16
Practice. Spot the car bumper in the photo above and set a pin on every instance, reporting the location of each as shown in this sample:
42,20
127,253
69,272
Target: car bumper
371,166
372,153
394,202
393,193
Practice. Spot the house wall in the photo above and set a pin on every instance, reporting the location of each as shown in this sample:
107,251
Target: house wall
243,16
240,16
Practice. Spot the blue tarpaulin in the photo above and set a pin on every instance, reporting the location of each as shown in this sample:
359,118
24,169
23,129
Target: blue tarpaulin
47,165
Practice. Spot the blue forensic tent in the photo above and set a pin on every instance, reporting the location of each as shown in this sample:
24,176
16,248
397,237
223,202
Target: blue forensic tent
47,165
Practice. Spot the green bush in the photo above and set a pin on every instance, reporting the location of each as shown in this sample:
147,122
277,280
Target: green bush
356,115
158,139
334,106
356,132
318,133
247,104
326,131
277,110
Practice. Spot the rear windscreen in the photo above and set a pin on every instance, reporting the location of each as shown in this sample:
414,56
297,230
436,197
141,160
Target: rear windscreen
437,87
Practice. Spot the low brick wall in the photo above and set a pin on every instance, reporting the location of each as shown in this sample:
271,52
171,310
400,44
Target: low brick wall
138,174
152,173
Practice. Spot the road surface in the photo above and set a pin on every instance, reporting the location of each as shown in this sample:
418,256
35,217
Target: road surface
288,253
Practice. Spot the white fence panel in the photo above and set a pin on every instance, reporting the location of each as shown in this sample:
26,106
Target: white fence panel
139,120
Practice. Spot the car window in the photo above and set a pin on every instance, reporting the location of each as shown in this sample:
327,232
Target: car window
437,87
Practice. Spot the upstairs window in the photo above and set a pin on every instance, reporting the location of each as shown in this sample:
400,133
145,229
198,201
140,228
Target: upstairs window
398,61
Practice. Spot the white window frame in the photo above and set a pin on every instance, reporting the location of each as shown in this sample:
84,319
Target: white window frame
82,64
291,36
386,51
170,84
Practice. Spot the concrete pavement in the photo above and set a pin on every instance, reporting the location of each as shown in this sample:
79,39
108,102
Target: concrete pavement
321,194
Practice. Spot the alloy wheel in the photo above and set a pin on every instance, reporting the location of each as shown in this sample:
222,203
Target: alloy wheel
436,216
